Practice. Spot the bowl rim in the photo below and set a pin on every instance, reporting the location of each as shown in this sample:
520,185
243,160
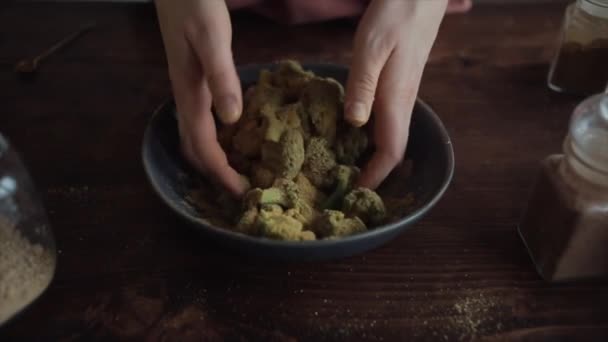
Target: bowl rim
199,223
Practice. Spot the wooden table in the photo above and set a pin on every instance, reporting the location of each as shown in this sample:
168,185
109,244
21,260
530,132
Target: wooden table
129,270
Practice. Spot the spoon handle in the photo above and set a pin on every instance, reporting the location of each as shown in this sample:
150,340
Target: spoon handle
63,42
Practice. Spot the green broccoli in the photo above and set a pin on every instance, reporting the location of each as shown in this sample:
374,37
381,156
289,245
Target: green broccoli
278,120
303,212
300,159
323,100
282,227
271,209
286,157
283,192
291,77
247,222
319,162
308,192
333,223
263,95
261,103
365,204
344,177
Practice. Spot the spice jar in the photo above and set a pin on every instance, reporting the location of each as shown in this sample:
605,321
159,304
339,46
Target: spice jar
581,64
565,226
27,246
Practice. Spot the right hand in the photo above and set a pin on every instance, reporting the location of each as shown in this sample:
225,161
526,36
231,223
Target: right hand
197,35
391,47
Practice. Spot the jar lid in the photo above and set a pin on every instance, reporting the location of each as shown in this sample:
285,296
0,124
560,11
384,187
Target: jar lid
589,132
596,8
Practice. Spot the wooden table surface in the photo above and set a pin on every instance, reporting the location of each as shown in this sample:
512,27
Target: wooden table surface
130,270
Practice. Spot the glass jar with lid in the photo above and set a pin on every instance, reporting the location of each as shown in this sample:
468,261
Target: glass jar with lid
581,63
27,245
565,225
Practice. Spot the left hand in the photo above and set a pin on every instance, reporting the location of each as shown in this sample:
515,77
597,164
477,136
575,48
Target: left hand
197,35
391,47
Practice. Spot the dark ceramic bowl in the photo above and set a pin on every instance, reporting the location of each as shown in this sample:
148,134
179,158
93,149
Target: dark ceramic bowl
429,148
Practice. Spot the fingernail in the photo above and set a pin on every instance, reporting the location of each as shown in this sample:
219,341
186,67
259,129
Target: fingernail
357,113
228,109
245,184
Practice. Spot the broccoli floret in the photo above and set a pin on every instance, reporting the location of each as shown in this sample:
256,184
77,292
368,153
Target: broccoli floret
272,222
282,227
351,145
319,162
247,222
283,192
308,192
290,191
251,128
365,204
344,177
303,200
272,209
304,119
273,196
263,95
303,212
291,77
283,195
323,100
333,223
300,162
286,157
253,198
278,120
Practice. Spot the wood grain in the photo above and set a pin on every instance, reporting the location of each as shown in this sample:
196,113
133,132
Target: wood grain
129,270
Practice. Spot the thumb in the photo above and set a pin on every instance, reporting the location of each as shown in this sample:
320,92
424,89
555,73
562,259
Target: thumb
211,37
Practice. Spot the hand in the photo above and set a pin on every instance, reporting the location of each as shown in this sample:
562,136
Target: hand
197,37
391,47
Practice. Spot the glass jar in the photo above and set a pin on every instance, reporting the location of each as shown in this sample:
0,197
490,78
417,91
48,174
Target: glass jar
27,246
565,225
581,64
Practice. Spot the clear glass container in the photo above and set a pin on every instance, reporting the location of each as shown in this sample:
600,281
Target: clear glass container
580,66
27,246
565,225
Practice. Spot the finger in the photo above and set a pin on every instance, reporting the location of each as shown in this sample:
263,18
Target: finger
198,135
211,36
459,6
392,133
211,157
376,170
397,89
372,48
